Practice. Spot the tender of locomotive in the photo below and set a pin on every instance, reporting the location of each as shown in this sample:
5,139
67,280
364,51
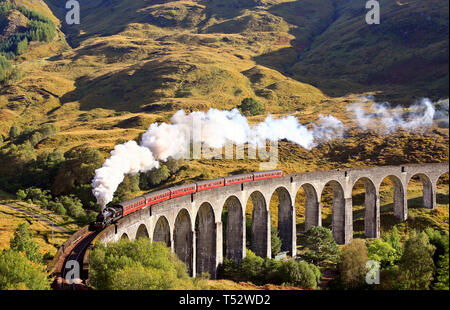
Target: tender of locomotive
112,214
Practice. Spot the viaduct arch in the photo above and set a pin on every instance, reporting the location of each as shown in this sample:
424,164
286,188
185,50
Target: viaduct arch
195,226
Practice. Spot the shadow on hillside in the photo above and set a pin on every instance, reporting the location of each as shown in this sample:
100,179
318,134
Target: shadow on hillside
130,90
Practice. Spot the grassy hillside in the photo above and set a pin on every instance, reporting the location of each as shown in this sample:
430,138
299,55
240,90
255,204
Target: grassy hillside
132,63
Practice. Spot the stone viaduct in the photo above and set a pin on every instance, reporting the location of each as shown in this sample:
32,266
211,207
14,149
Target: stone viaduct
192,225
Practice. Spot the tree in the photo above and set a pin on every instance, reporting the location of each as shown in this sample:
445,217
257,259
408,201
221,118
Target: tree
137,265
383,252
416,264
78,169
19,273
320,247
22,241
157,176
174,165
6,69
251,107
352,266
442,282
276,242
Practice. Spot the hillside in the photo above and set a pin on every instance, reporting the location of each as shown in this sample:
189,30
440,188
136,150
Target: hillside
134,62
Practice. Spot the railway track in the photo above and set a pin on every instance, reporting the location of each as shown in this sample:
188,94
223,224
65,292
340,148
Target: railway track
75,253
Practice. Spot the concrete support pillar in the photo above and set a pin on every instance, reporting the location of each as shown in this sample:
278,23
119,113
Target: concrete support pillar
313,209
286,222
219,248
235,230
313,216
293,245
372,211
348,221
261,241
400,200
372,214
268,243
342,226
429,193
193,257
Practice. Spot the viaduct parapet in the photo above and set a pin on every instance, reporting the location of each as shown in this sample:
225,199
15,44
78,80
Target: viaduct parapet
192,225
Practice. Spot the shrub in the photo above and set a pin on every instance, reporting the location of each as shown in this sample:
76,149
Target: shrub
137,265
442,282
158,176
262,271
18,273
251,107
352,266
383,252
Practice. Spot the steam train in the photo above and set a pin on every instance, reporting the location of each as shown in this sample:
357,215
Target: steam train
112,214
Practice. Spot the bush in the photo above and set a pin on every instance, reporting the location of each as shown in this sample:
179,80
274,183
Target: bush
158,176
251,107
262,271
352,266
137,265
320,247
383,252
18,273
442,272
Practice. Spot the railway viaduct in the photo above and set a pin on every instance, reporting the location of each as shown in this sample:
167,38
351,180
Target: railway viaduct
192,225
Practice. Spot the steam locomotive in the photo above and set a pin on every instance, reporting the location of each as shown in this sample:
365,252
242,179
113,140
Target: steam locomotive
112,214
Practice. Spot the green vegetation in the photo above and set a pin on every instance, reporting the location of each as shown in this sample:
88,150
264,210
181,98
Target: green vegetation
404,266
352,264
23,242
138,265
39,28
266,270
62,205
251,107
19,265
320,247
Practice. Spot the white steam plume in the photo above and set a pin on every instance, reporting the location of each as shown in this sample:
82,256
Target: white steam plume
382,117
162,141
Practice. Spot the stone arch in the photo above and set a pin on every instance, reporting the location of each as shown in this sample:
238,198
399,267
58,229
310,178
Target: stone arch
260,226
286,219
162,231
233,217
312,206
183,239
142,232
205,232
400,206
371,208
339,224
428,190
124,237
